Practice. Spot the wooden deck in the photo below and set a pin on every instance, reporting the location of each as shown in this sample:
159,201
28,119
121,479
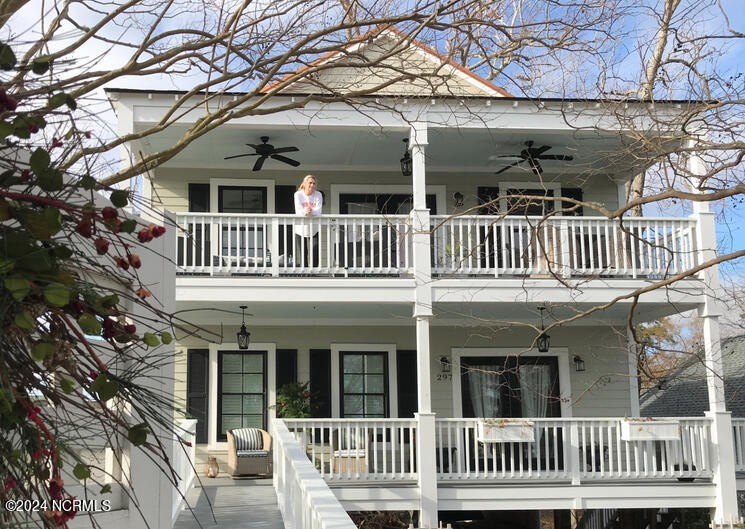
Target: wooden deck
236,504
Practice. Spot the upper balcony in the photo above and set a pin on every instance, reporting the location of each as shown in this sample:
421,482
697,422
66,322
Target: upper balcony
474,246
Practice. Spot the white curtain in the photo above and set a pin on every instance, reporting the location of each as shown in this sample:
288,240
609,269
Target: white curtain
535,387
483,386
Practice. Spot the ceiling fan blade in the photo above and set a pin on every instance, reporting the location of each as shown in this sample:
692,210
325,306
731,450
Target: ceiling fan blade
285,159
539,150
535,166
503,169
259,163
285,149
565,157
253,145
497,156
239,156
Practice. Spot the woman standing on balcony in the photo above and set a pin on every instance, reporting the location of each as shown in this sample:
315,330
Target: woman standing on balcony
308,203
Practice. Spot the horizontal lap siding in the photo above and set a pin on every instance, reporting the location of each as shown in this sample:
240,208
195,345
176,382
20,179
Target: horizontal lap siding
600,391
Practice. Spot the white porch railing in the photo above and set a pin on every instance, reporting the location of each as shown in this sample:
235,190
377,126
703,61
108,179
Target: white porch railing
184,457
216,243
562,246
220,244
304,498
738,428
354,449
576,449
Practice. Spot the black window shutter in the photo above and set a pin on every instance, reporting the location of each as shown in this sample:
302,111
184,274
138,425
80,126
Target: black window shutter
197,389
407,382
199,198
284,200
575,193
286,366
320,382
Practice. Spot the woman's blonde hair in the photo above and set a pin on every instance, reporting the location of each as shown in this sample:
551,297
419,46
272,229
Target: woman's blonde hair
304,183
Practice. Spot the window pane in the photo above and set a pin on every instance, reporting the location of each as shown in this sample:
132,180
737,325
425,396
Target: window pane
253,421
375,364
232,199
353,383
253,201
374,406
253,383
353,405
253,404
353,363
374,384
231,421
231,404
231,383
253,363
231,362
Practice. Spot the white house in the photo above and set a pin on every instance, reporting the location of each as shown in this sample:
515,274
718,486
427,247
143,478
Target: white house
418,318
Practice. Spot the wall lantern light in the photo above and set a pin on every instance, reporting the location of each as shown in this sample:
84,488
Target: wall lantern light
244,337
406,164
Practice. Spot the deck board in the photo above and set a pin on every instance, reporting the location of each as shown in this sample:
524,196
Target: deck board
237,504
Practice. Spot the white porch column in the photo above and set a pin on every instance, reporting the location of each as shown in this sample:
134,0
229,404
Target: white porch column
149,484
425,439
710,310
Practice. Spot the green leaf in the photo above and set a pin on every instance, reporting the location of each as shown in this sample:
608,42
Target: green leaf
42,350
18,287
56,294
6,129
166,337
45,224
5,210
57,100
71,103
119,198
105,387
62,252
150,339
25,321
41,65
110,301
128,226
39,160
67,385
81,471
7,57
89,324
106,489
50,179
87,182
137,434
6,265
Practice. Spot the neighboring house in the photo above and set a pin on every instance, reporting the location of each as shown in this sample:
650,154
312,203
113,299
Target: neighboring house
418,318
683,393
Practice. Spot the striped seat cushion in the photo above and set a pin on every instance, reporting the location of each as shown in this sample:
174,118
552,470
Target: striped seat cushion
251,453
247,439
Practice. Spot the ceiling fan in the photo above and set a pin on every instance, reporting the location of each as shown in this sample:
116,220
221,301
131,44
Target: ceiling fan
266,150
532,155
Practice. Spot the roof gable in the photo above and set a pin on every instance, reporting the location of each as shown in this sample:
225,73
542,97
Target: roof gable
374,64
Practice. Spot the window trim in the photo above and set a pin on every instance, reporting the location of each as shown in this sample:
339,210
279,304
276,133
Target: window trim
562,360
336,350
439,191
216,183
271,390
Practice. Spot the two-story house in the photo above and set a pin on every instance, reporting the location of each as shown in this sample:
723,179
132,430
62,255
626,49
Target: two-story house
451,212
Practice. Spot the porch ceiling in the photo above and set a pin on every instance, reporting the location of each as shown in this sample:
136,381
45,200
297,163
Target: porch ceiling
400,314
471,150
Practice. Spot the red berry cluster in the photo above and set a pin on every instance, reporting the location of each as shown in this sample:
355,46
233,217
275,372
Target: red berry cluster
151,232
112,328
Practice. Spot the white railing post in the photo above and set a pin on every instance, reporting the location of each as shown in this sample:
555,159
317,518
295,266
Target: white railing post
574,453
274,246
565,266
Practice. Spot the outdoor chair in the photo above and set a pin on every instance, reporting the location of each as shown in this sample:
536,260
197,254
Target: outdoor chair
249,452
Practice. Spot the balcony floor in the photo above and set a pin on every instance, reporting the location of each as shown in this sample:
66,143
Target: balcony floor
237,504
